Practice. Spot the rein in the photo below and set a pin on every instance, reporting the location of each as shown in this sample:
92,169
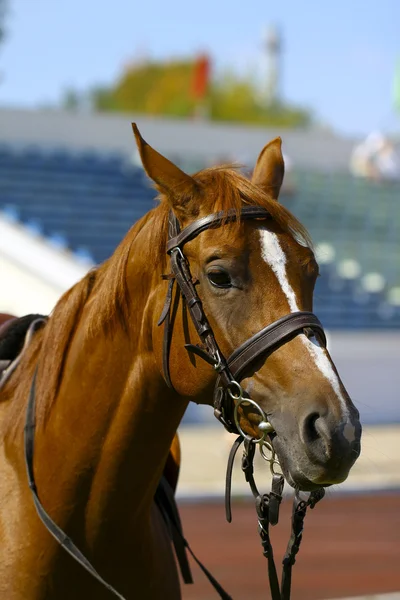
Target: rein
228,397
51,526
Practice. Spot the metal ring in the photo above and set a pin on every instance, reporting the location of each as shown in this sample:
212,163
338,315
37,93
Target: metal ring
238,387
272,460
270,448
235,416
271,466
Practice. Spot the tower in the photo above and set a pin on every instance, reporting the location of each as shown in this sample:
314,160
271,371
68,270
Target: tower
272,45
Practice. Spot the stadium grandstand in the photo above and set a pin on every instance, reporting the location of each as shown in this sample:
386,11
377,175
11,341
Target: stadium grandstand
75,180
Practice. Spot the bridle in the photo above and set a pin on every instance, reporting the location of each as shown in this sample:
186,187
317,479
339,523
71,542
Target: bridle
232,370
228,392
228,397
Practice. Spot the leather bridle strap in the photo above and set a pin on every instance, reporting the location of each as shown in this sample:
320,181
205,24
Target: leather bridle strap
186,287
271,337
214,220
181,274
267,507
259,345
164,489
51,526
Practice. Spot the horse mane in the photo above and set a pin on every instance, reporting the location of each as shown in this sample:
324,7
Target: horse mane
112,301
221,188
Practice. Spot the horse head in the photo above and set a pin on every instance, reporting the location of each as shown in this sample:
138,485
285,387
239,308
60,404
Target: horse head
248,274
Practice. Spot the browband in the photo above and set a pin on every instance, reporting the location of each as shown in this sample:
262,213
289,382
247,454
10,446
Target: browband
214,220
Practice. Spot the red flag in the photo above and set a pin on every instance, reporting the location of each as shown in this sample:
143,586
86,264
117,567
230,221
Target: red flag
201,76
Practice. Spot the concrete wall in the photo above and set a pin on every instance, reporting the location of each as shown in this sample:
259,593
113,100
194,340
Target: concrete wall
33,275
308,148
22,293
369,365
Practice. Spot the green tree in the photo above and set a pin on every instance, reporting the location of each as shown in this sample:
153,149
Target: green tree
154,88
237,99
166,89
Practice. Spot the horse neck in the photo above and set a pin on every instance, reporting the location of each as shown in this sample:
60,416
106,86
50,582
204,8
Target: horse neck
114,418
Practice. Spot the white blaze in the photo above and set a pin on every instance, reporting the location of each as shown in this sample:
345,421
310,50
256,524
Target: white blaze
274,256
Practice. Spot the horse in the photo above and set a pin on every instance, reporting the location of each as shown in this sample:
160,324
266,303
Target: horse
106,418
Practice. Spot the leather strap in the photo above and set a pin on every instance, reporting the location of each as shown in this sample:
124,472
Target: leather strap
215,220
270,338
165,500
262,508
265,341
181,272
228,478
267,507
166,319
275,497
53,528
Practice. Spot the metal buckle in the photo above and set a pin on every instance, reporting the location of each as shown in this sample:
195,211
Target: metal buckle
218,364
177,249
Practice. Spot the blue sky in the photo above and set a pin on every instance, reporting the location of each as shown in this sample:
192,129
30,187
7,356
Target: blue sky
339,56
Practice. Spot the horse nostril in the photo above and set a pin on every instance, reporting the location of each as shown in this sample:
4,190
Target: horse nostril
325,444
310,427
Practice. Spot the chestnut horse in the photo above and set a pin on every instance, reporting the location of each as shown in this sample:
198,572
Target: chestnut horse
105,417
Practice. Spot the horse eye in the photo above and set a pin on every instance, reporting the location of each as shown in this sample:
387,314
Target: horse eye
219,278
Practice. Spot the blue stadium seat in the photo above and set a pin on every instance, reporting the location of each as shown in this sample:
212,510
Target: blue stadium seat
87,201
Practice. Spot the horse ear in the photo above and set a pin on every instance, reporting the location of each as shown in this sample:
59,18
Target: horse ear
270,168
169,179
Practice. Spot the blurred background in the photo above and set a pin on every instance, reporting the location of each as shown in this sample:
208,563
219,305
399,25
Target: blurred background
211,83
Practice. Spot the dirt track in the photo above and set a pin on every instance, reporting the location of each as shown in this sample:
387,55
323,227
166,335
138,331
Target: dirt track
351,547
